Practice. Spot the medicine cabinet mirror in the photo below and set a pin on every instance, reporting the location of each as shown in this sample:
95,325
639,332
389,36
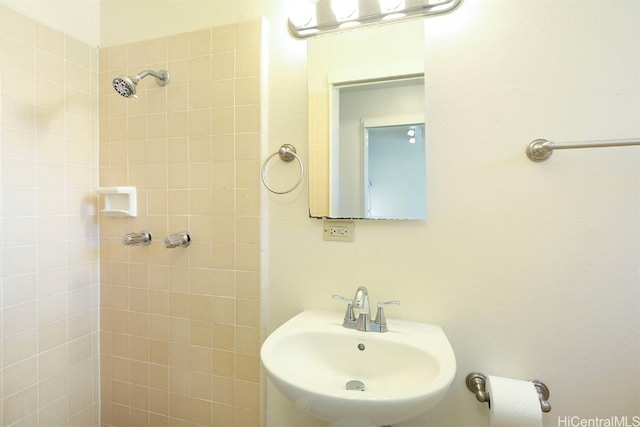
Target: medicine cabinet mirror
367,155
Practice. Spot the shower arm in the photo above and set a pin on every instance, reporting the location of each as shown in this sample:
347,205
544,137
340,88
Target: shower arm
162,76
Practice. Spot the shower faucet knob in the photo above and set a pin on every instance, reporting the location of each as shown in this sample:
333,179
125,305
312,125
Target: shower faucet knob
142,238
178,239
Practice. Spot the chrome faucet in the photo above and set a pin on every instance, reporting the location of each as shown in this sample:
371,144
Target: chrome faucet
360,302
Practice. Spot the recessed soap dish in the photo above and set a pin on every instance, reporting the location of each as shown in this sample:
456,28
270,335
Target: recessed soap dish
119,201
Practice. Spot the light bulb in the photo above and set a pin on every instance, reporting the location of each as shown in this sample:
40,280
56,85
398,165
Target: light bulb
391,5
304,14
345,9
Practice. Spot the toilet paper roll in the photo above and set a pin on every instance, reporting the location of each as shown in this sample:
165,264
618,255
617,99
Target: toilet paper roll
513,403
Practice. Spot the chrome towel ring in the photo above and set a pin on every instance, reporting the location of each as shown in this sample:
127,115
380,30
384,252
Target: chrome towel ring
287,153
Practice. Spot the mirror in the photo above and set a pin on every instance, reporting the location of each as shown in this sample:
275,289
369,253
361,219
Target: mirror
366,96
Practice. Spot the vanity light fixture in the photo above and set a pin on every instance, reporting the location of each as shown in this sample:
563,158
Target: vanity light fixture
313,17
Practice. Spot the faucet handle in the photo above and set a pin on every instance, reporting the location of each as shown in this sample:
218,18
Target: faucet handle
383,303
341,298
381,320
136,239
349,316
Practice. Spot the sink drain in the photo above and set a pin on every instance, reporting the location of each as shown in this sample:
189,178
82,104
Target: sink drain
355,385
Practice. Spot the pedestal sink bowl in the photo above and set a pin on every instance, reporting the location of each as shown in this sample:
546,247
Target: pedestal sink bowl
353,378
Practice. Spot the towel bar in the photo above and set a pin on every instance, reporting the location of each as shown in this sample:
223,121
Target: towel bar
539,150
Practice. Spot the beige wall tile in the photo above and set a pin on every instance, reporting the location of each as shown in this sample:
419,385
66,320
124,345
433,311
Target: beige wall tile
248,284
177,98
19,405
139,400
19,347
179,406
200,333
247,91
248,146
178,46
248,35
200,42
224,390
224,337
200,95
223,120
248,340
159,401
180,380
247,118
248,63
19,376
223,415
247,417
248,257
170,316
49,390
201,385
223,364
223,38
55,412
248,395
248,312
201,411
159,377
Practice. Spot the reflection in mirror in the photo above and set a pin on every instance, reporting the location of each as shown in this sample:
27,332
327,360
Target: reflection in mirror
378,151
394,171
361,84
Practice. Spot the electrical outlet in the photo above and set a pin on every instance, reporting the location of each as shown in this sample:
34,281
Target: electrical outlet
339,231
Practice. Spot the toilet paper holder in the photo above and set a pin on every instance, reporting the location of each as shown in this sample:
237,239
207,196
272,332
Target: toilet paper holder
476,384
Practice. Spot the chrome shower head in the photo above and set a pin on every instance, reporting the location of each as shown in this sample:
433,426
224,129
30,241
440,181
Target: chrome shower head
126,86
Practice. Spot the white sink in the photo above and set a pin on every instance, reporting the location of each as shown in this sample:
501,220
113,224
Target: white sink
405,372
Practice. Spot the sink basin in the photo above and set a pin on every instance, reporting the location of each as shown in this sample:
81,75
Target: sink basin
354,378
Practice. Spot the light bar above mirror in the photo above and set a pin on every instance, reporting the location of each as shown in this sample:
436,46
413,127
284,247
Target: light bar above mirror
315,17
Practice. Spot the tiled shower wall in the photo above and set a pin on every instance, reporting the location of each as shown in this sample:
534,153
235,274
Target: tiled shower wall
48,226
180,327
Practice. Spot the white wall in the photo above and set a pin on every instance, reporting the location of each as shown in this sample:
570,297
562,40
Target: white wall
532,269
